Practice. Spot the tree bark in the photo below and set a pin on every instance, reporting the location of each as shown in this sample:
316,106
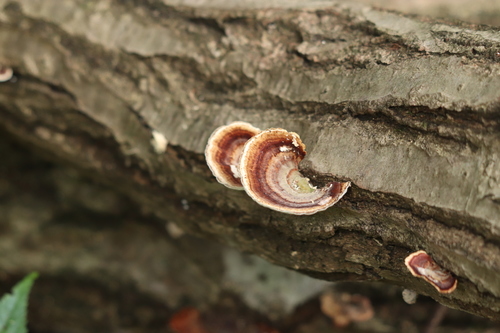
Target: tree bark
405,108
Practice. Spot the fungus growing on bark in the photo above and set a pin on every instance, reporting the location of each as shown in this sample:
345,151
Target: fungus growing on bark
224,149
6,73
421,265
269,174
345,308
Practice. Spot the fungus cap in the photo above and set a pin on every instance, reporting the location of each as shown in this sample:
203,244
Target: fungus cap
270,175
345,308
421,265
224,149
6,73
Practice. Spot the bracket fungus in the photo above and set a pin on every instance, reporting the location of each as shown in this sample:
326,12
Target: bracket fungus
266,165
345,308
421,265
224,149
6,73
270,175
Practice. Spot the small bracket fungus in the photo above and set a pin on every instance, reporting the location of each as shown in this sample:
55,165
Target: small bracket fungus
345,308
421,265
6,73
224,149
269,173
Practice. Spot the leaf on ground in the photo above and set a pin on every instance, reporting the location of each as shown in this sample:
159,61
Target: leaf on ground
13,306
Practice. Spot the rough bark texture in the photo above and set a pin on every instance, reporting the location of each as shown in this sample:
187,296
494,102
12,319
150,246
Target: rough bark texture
407,109
477,11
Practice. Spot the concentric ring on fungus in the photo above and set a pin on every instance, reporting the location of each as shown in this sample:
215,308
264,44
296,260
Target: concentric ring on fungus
224,149
269,173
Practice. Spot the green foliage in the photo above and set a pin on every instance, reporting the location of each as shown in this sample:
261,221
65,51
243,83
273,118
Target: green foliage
13,307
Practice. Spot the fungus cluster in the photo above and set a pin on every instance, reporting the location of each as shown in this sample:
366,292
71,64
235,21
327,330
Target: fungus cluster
265,165
421,265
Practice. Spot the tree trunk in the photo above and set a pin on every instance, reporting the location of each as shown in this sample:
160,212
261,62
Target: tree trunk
405,108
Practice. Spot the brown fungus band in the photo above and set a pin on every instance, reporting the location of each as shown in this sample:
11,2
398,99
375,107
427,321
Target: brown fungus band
224,149
270,175
421,265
